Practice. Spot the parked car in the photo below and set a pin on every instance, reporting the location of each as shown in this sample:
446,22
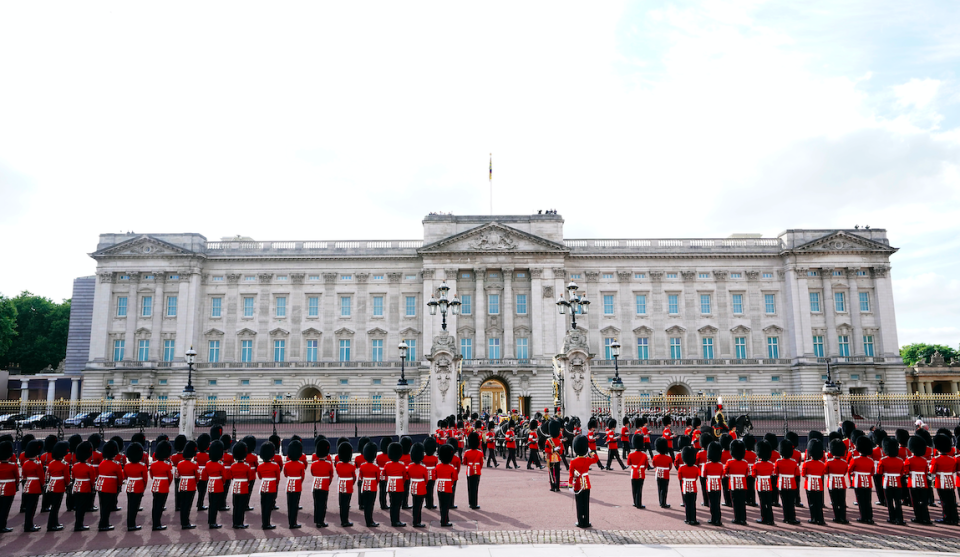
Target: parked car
107,419
170,421
9,421
40,421
132,419
213,417
83,419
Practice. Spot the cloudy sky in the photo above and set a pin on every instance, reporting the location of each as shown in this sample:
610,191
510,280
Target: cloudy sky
315,121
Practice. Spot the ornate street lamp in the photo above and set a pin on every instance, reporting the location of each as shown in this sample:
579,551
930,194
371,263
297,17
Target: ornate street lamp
880,405
444,304
576,303
191,359
829,382
403,360
615,352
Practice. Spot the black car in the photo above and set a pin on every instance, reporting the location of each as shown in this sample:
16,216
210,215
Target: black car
213,417
132,419
107,419
83,419
170,421
39,421
9,421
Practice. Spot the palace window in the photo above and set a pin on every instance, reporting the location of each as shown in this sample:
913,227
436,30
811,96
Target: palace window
312,346
171,306
493,349
466,307
279,351
773,347
493,304
345,350
168,348
376,347
738,303
769,301
705,304
146,307
643,348
281,307
466,348
522,353
815,302
213,351
216,306
641,304
411,306
313,306
345,306
122,306
608,304
246,351
248,306
740,347
521,304
411,349
143,350
673,304
868,345
818,346
675,352
708,348
864,301
378,306
839,302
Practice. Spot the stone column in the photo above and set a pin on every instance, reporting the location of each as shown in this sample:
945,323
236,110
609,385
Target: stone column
443,377
803,333
723,310
575,370
831,406
508,307
450,276
755,308
24,395
134,310
538,336
857,340
616,401
51,393
156,325
188,411
829,314
559,290
691,311
102,308
74,394
886,318
403,416
657,310
480,315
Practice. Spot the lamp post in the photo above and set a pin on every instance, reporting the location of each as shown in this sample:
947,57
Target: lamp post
403,360
880,405
444,305
615,352
191,359
829,382
576,303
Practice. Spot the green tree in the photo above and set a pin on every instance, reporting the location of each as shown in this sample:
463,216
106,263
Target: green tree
8,326
913,353
41,333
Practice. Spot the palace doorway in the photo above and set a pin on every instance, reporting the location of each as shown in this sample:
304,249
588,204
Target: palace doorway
310,412
494,396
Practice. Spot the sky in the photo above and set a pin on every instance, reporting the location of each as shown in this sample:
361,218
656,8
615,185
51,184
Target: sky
345,120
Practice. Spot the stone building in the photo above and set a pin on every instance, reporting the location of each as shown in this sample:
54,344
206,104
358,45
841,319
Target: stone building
740,315
939,376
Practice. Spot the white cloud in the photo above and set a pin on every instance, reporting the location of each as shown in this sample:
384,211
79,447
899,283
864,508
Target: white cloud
917,93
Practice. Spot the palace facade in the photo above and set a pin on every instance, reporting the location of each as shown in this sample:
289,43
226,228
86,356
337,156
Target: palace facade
738,315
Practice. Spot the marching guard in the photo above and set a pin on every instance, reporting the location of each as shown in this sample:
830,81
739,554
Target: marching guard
9,482
917,480
813,471
446,476
736,471
161,476
473,460
322,471
83,477
369,476
713,472
552,450
346,477
579,479
187,483
861,472
269,473
662,463
136,473
417,473
381,460
533,458
214,477
688,474
33,476
109,480
787,471
511,443
295,472
763,473
892,470
638,463
430,462
395,476
612,450
944,468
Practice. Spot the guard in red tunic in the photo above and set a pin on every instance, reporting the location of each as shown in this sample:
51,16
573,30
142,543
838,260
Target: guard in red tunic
430,462
750,444
736,471
179,442
491,442
533,446
763,473
382,459
368,476
73,442
861,472
662,463
917,480
215,476
891,469
136,473
58,477
638,463
625,438
787,471
346,477
161,478
202,458
813,470
612,437
668,435
417,473
473,460
455,462
406,443
713,472
33,477
9,481
84,476
510,440
836,478
269,474
688,474
395,476
579,479
187,483
49,442
108,484
294,472
241,475
552,448
944,468
446,475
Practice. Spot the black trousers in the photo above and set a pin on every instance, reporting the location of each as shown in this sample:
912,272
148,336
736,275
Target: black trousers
345,508
6,502
384,505
583,508
512,457
865,503
624,448
406,494
217,502
453,494
689,506
663,486
54,500
948,502
555,476
396,503
159,500
533,459
108,502
788,498
838,500
921,511
492,456
176,494
45,500
611,454
267,502
82,502
418,509
739,505
714,497
240,504
368,500
751,491
201,492
186,504
727,501
133,508
293,507
878,484
30,509
703,490
636,485
69,497
776,491
766,506
894,504
429,498
815,502
473,490
446,501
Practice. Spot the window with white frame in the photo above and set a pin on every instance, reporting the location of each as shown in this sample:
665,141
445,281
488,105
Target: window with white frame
213,351
838,273
411,349
146,306
313,306
465,275
493,304
376,350
143,350
675,352
608,275
711,378
281,306
344,350
643,348
378,306
171,306
521,304
813,273
815,302
522,352
818,346
607,351
281,277
639,275
377,277
708,348
839,302
773,347
316,277
770,303
671,275
466,306
122,306
346,277
466,348
521,275
216,307
249,278
312,350
864,301
345,306
673,304
641,304
738,304
608,304
493,349
248,306
575,276
705,304
868,345
244,382
740,347
736,275
410,306
279,350
844,344
767,275
861,273
168,350
246,351
704,275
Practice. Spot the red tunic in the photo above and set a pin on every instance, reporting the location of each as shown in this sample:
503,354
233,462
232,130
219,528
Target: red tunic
813,472
943,468
580,472
861,471
187,472
136,475
916,469
668,435
637,461
430,463
663,464
215,474
83,477
645,431
9,478
787,471
456,466
736,472
294,471
892,470
369,477
346,477
446,475
592,440
244,475
511,439
763,471
201,460
532,440
473,460
713,471
162,473
110,477
625,435
33,476
395,474
491,440
269,474
688,478
611,440
836,471
322,472
418,479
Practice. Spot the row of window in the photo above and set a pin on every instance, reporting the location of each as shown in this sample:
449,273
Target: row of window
840,302
706,304
740,347
146,306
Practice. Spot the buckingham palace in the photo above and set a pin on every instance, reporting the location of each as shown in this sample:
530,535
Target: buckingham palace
737,315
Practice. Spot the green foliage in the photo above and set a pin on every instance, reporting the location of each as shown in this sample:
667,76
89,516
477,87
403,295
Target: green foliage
8,325
913,353
41,333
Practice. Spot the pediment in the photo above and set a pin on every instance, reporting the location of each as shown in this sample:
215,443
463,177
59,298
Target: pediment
214,332
246,332
707,330
643,330
278,332
841,241
409,331
494,238
521,330
609,330
377,331
143,331
676,329
773,329
844,327
740,329
144,246
466,331
311,332
343,331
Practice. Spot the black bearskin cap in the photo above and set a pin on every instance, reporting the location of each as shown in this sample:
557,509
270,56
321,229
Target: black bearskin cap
74,442
95,441
580,445
689,456
361,443
345,452
84,451
534,424
890,447
139,438
110,450
429,446
49,442
6,451
342,440
161,437
638,441
661,445
555,428
135,452
480,425
446,453
119,441
697,422
879,436
26,439
226,440
865,446
34,448
793,438
164,450
611,423
474,416
771,438
203,442
295,450
925,435
473,440
60,450
215,451
592,423
854,435
666,420
847,428
416,453
459,424
786,448
406,443
640,421
452,441
738,450
714,452
251,442
917,446
369,452
834,435
395,452
268,451
764,450
815,449
322,449
240,452
179,442
682,441
838,449
190,450
903,436
276,442
216,432
942,443
814,434
725,440
749,442
384,443
706,439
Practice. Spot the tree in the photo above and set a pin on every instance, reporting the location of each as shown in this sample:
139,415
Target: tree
41,333
8,326
913,353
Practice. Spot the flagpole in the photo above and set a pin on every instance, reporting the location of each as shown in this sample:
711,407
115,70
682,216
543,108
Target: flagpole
491,184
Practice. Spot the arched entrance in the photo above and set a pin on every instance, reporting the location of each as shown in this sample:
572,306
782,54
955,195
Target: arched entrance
678,390
494,396
310,412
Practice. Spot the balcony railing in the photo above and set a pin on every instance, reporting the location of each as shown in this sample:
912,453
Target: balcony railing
506,362
764,245
694,362
310,247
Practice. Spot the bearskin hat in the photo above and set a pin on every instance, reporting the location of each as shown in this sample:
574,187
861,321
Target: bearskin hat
26,439
215,451
95,441
190,450
534,424
110,450
749,442
416,453
84,451
203,442
164,450
446,453
666,420
453,443
834,435
682,441
725,440
226,440
49,442
661,446
890,447
73,442
714,452
473,440
793,438
369,452
706,439
179,442
384,443
772,439
119,441
903,436
267,452
7,437
341,440
429,447
611,423
295,457
864,445
406,443
814,434
786,448
60,450
689,456
847,428
925,435
251,442
592,423
239,452
638,441
640,421
459,424
322,449
216,432
34,448
697,422
580,445
917,446
838,449
815,449
277,443
6,451
395,452
139,438
361,443
135,452
944,431
555,428
738,450
344,452
942,443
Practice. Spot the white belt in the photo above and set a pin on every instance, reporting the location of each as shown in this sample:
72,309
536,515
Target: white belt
109,477
75,479
187,477
7,481
56,477
215,478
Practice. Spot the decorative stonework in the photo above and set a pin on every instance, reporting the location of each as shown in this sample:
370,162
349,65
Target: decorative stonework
688,275
719,275
493,240
329,278
443,343
278,332
548,292
559,273
880,272
656,276
361,278
781,274
643,331
444,371
265,278
105,278
233,278
753,275
536,272
592,276
707,330
773,329
577,374
740,330
297,278
427,274
575,339
392,277
624,276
